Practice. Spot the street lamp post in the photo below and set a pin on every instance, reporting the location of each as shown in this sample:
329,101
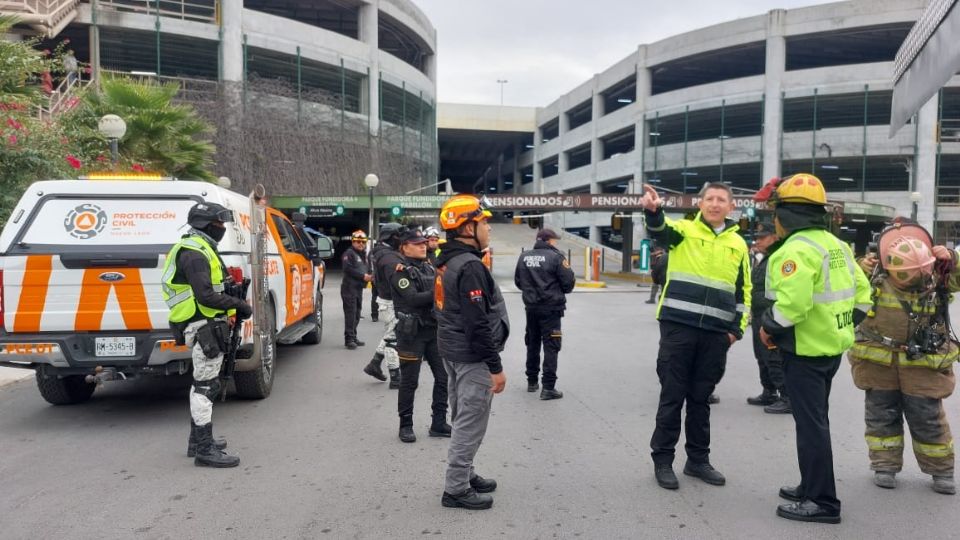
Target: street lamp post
113,128
371,181
501,82
915,198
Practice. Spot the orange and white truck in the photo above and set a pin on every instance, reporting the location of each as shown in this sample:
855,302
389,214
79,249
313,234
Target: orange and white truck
80,289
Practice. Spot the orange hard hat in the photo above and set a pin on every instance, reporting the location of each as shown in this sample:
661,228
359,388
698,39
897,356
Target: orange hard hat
460,209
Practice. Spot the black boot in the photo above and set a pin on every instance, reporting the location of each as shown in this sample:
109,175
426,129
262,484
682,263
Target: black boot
219,442
767,397
209,455
406,433
373,368
781,406
440,428
665,476
469,499
550,393
483,485
395,379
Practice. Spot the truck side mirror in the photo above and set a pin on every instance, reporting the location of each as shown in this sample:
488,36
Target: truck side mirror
324,247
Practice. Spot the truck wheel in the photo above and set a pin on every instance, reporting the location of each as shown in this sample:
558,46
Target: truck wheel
316,333
258,383
67,390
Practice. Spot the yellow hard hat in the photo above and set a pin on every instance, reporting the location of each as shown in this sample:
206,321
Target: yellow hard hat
461,209
801,188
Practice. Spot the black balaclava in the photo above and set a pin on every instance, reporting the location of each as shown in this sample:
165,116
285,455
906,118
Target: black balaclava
215,230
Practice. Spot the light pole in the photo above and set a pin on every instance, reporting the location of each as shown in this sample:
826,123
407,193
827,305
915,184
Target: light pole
371,181
501,82
113,128
915,198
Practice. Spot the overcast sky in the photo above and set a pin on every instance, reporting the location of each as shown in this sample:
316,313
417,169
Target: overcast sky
545,48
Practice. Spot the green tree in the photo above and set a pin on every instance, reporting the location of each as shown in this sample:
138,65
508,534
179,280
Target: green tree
30,149
162,135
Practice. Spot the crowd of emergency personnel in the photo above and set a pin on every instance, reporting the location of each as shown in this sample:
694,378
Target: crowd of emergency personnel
800,288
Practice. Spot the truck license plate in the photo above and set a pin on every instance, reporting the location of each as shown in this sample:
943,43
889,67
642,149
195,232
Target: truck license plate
116,346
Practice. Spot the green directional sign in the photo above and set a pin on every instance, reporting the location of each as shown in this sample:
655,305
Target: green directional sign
395,211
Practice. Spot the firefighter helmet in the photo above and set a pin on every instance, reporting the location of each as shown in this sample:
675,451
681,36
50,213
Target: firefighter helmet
906,253
800,188
358,236
461,209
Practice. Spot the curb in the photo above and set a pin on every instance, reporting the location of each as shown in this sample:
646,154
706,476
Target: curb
591,284
8,377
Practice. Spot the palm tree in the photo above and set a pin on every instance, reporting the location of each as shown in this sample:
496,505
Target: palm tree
161,136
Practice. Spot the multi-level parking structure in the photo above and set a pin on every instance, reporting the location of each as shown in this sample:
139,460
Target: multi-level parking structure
801,90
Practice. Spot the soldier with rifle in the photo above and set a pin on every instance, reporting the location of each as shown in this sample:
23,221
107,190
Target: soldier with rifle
195,284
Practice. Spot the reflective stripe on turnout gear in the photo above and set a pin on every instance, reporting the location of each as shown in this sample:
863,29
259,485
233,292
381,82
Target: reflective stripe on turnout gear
878,444
934,450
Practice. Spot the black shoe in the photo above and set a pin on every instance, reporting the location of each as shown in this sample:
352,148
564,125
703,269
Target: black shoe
218,442
532,386
550,393
359,343
791,493
807,511
781,406
713,399
209,455
440,428
665,476
483,485
351,345
374,318
469,499
767,397
407,435
395,379
373,368
705,472
650,302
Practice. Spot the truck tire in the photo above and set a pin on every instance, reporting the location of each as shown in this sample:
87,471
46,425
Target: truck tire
315,335
67,390
258,383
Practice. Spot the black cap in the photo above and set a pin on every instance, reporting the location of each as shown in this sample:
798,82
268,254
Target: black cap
547,234
764,228
412,236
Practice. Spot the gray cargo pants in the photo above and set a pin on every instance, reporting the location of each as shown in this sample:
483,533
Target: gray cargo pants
470,394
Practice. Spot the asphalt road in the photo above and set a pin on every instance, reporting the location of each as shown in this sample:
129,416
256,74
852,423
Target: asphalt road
321,459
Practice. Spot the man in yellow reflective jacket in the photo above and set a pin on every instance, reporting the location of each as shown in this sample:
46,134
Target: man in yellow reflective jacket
702,312
819,294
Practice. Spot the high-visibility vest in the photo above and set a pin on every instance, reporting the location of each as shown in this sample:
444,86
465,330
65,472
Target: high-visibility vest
815,286
708,278
179,296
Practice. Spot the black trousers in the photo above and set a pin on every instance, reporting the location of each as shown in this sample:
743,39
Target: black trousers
690,363
768,360
654,292
543,327
352,300
374,308
808,381
413,350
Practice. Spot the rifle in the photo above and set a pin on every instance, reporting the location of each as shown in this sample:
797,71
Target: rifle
236,290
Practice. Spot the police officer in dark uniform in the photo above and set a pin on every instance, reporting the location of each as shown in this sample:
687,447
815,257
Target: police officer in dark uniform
544,277
773,398
355,278
412,292
194,280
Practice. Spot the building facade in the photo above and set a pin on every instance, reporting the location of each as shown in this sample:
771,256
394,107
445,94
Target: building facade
802,90
306,93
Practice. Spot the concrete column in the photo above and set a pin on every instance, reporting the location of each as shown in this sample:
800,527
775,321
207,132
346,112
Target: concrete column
925,169
231,20
517,176
369,35
596,146
775,67
642,94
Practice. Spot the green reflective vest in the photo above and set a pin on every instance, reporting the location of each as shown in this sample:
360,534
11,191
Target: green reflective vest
815,286
179,296
708,276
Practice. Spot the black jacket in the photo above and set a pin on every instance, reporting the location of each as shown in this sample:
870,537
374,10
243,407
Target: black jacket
412,289
194,269
544,277
354,268
758,299
384,261
471,314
